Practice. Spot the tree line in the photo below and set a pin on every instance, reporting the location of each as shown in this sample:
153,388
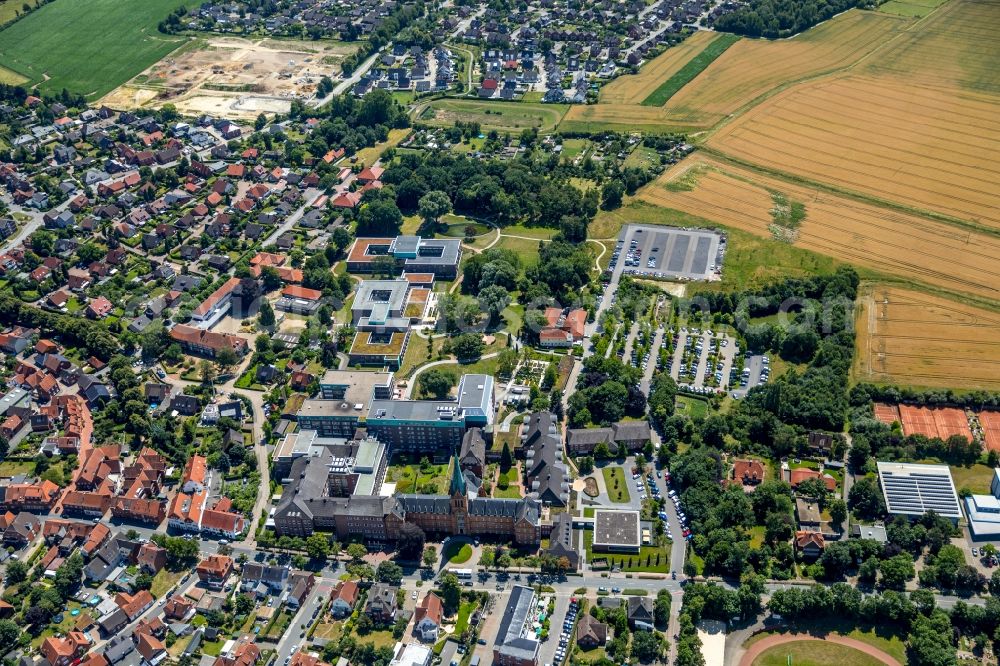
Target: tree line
781,18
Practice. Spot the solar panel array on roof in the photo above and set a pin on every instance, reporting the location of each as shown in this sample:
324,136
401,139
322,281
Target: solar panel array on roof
913,489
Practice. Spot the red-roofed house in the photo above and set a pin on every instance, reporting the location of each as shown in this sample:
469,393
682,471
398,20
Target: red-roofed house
801,474
810,543
99,308
427,618
748,472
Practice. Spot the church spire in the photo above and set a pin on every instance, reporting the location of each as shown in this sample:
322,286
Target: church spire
457,479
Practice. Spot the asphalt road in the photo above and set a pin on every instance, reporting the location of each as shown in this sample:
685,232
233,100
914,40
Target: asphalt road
295,637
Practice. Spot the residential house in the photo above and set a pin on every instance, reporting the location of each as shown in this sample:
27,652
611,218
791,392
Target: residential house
427,618
214,570
381,605
640,612
343,598
809,543
590,633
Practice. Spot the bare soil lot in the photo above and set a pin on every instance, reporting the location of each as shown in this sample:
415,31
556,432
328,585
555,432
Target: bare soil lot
237,76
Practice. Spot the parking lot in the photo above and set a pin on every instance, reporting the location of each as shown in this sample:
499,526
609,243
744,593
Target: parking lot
702,360
756,370
668,252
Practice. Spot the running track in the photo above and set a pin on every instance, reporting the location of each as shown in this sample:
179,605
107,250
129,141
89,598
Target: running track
760,646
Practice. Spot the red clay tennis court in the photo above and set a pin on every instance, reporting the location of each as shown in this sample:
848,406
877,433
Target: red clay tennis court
887,414
942,422
991,429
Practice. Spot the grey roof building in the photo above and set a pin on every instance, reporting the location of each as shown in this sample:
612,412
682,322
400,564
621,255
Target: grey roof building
545,470
515,642
912,489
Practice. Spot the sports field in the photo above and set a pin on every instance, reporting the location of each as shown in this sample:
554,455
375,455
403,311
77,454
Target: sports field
990,421
815,653
910,338
634,88
88,46
501,116
905,246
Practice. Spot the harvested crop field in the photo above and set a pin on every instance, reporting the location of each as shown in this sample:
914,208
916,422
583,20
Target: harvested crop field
931,149
955,47
633,88
752,67
906,337
990,421
907,246
690,70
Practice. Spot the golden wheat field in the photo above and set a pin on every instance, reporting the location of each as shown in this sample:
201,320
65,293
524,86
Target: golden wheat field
632,89
907,337
954,47
752,67
931,149
617,118
893,243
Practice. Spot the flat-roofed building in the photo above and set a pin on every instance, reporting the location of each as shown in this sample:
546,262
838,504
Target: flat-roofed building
428,425
913,489
516,644
616,531
378,302
414,254
345,397
983,512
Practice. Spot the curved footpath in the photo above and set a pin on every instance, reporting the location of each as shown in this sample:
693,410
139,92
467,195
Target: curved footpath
762,645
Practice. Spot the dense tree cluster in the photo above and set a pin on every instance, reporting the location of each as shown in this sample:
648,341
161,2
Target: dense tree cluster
606,392
349,123
526,190
780,18
92,336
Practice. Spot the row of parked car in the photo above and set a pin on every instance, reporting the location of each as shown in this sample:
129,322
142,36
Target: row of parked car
567,631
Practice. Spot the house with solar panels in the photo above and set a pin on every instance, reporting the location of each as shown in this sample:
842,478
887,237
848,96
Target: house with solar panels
912,489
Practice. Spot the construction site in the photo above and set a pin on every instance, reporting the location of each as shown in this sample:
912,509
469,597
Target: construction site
238,78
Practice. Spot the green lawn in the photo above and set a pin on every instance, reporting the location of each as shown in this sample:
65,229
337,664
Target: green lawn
814,653
649,559
458,553
695,408
409,478
498,115
163,581
976,478
691,69
527,249
465,611
614,479
10,468
88,46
